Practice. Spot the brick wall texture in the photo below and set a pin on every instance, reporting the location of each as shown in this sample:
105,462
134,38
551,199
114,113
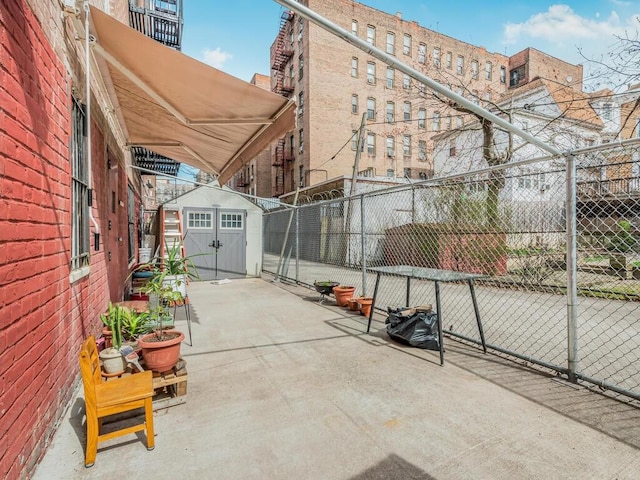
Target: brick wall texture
44,317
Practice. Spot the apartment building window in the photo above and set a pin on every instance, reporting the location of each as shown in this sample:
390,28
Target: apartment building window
488,70
459,121
407,112
525,125
447,121
300,103
391,43
452,148
371,108
391,172
80,190
354,27
460,67
516,75
436,57
406,81
391,112
371,34
436,121
292,74
606,111
422,117
449,60
371,143
371,73
354,103
354,67
390,77
407,172
422,88
301,140
474,97
487,96
422,150
300,67
406,145
422,53
503,74
301,176
406,45
474,69
638,127
354,140
391,147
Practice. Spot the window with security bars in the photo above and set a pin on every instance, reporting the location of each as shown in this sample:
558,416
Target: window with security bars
230,220
80,191
196,220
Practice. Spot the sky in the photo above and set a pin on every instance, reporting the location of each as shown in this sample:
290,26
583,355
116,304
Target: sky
235,36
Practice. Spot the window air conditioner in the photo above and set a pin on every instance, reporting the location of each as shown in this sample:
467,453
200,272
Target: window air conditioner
300,149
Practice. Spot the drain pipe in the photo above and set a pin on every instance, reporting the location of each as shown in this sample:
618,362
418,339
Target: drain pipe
87,42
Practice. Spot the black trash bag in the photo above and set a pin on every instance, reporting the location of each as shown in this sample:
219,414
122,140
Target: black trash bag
415,328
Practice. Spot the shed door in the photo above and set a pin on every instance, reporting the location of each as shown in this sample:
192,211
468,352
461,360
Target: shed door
215,238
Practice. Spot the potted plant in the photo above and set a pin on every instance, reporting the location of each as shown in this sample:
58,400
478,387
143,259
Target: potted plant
177,268
161,348
112,359
134,325
343,293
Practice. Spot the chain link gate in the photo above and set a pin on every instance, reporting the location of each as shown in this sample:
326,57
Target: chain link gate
510,224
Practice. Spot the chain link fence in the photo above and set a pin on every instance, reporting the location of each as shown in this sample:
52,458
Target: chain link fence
510,224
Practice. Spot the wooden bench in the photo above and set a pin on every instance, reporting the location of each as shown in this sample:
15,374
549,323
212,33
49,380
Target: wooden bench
118,395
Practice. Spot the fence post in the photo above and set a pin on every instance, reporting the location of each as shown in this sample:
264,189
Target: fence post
363,248
572,269
297,245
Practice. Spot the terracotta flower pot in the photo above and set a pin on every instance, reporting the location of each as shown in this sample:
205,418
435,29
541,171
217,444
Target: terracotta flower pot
365,305
343,293
353,304
161,356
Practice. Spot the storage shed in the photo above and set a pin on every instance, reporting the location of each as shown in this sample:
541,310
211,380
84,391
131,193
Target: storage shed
221,231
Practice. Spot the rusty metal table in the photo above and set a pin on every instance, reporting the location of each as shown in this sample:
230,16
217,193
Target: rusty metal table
435,275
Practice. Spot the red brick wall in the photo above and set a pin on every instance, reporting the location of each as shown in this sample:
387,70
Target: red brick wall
43,318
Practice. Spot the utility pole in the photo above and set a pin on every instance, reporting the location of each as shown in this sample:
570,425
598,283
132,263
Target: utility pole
352,189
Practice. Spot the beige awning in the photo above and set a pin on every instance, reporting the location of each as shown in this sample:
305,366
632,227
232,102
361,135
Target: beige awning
184,109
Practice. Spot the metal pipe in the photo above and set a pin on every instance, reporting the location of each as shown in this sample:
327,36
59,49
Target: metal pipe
363,248
572,270
322,22
286,238
87,43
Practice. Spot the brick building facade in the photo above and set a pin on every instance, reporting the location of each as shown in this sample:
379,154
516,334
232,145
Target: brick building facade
54,282
334,84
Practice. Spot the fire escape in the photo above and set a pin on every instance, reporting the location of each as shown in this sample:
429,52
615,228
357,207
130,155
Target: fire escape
281,53
161,20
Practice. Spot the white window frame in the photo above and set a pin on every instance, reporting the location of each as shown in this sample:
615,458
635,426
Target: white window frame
231,221
204,222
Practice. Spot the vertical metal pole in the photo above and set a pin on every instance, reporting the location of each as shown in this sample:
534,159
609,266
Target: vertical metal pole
297,245
572,270
363,248
286,237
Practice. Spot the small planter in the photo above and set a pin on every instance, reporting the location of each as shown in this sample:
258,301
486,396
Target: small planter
364,304
343,293
161,354
112,361
353,304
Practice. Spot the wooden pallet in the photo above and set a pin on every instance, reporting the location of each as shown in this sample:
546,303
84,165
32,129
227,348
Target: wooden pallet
171,386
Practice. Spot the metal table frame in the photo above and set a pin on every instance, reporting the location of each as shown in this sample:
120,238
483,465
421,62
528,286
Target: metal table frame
436,276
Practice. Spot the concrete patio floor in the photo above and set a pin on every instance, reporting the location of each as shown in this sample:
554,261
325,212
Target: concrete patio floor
281,387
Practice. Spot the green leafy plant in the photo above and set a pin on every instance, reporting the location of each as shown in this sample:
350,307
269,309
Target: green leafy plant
622,241
161,297
135,324
113,320
174,263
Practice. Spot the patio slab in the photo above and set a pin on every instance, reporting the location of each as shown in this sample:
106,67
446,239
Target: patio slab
281,387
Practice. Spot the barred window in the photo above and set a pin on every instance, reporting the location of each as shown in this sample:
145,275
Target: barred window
80,191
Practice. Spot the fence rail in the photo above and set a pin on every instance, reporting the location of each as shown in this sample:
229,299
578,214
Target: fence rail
573,306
